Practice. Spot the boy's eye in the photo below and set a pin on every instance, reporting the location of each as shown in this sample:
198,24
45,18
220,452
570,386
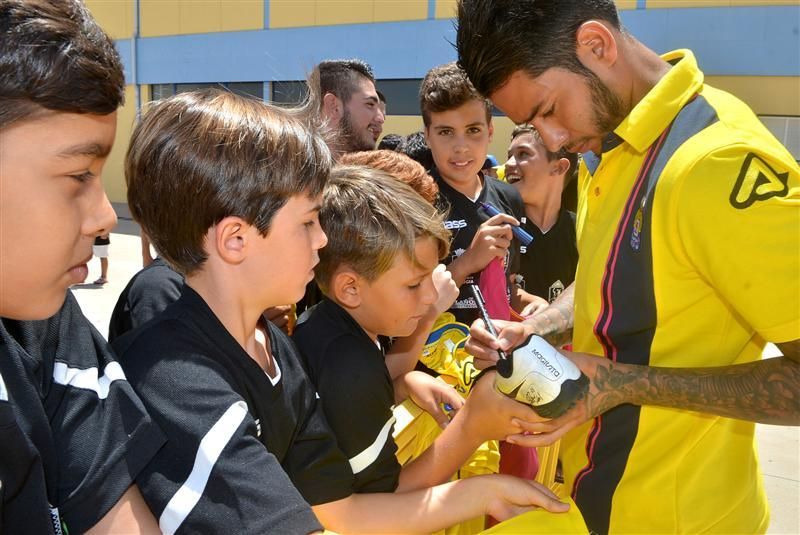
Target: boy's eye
474,130
549,112
83,177
445,132
415,286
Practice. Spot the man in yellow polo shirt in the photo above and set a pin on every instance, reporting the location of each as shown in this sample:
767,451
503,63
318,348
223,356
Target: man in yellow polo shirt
689,241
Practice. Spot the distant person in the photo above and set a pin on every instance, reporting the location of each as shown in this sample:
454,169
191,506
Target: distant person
547,266
390,142
416,147
100,250
348,104
490,166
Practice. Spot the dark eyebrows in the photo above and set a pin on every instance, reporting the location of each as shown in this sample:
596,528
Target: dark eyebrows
372,98
86,149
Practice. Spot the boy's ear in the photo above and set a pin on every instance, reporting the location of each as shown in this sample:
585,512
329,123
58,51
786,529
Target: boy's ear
560,167
332,107
595,46
491,129
346,287
230,238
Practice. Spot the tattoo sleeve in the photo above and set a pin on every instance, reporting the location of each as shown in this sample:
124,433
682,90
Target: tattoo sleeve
554,324
765,391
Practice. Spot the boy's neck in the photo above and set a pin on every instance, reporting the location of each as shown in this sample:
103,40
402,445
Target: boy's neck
357,314
543,211
232,310
470,189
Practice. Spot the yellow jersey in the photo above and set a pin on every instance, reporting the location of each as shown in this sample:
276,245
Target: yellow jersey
688,232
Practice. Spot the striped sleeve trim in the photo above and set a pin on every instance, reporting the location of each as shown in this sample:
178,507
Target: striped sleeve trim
87,379
3,390
211,446
361,461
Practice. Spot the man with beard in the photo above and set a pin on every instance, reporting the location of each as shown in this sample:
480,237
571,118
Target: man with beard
687,233
348,104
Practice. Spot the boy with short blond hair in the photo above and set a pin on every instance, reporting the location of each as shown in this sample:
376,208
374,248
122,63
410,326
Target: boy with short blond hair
458,129
248,446
384,243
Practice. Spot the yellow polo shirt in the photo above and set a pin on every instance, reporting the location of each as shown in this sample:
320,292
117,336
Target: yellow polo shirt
694,264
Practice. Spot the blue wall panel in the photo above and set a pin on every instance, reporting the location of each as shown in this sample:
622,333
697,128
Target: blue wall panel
756,41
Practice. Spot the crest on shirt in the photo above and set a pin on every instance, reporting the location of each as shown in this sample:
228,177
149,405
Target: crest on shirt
757,181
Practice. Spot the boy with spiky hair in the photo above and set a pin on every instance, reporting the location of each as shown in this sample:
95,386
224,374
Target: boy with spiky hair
248,446
458,129
376,272
74,435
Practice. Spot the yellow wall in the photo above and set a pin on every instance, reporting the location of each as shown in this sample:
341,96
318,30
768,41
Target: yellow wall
296,13
176,17
115,16
657,4
113,174
766,95
446,9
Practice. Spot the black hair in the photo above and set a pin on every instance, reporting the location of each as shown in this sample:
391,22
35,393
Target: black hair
415,147
496,38
390,142
54,56
339,77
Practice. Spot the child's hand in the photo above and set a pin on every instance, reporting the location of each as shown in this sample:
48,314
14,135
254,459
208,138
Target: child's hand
490,241
430,394
489,415
445,287
510,496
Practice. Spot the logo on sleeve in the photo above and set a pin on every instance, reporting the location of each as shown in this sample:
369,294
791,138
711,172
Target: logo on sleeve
757,181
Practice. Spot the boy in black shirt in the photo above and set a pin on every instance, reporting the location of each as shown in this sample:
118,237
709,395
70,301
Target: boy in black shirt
248,445
458,129
73,433
547,266
376,273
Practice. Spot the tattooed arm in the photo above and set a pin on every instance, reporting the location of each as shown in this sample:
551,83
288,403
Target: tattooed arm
765,391
554,323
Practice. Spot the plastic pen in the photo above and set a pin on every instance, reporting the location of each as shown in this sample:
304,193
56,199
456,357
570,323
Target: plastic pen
518,231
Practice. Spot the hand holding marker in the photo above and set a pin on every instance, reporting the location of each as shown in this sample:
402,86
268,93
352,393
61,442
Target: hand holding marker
536,373
518,231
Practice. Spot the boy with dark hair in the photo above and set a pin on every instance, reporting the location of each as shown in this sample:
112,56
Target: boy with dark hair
458,129
547,266
687,230
74,435
376,273
246,431
348,103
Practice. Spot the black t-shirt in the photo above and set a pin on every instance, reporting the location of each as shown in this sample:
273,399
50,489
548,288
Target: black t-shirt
548,264
73,435
463,219
240,443
147,294
349,371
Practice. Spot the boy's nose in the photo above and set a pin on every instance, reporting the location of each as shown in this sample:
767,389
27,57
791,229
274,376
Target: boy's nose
101,218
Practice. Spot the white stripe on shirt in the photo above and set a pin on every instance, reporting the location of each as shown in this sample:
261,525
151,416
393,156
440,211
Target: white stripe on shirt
211,446
3,391
87,378
371,452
